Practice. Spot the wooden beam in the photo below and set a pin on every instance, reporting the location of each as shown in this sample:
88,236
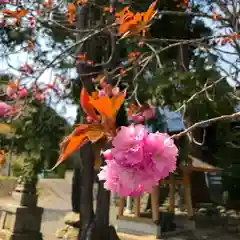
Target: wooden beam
155,195
172,192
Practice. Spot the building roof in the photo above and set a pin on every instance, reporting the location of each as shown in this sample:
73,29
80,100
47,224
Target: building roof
173,120
170,121
201,166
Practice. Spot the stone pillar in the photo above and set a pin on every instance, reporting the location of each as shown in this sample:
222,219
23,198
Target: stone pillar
21,220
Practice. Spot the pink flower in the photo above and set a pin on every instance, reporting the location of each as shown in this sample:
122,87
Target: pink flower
5,109
89,119
129,137
102,93
22,92
128,145
25,68
111,175
114,180
40,97
149,113
4,1
138,160
164,152
137,118
11,91
108,154
115,91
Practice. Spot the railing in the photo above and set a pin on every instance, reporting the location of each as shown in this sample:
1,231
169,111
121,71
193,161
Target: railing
172,181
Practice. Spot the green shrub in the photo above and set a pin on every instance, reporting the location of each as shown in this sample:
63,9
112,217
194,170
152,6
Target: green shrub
17,167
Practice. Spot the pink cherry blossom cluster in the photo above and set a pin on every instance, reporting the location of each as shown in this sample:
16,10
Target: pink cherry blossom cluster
15,92
137,161
26,69
6,110
140,114
109,92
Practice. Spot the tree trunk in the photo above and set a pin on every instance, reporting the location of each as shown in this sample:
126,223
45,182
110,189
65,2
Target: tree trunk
102,213
92,227
86,190
86,152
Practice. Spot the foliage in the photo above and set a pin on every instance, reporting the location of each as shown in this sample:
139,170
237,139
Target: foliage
40,131
17,167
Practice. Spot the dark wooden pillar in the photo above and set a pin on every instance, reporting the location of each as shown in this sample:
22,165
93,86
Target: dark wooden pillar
86,152
92,226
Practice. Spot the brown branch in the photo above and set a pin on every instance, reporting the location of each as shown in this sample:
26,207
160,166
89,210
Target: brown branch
200,92
188,13
202,123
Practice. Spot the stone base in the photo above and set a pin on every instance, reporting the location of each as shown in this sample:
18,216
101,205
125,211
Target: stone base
72,219
20,222
67,232
7,186
146,227
25,199
7,235
136,227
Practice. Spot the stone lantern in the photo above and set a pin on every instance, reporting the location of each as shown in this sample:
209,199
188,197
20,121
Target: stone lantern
21,219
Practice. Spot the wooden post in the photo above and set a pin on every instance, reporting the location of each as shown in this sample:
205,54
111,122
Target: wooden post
137,201
155,195
121,206
187,192
172,192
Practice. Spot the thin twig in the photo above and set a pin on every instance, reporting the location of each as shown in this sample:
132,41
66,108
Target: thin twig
205,122
200,92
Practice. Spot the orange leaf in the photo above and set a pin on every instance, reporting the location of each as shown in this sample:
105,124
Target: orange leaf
108,107
81,128
127,26
147,17
104,106
132,24
82,2
97,147
22,12
12,85
75,142
2,157
86,105
19,13
83,133
71,12
95,132
117,101
124,15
